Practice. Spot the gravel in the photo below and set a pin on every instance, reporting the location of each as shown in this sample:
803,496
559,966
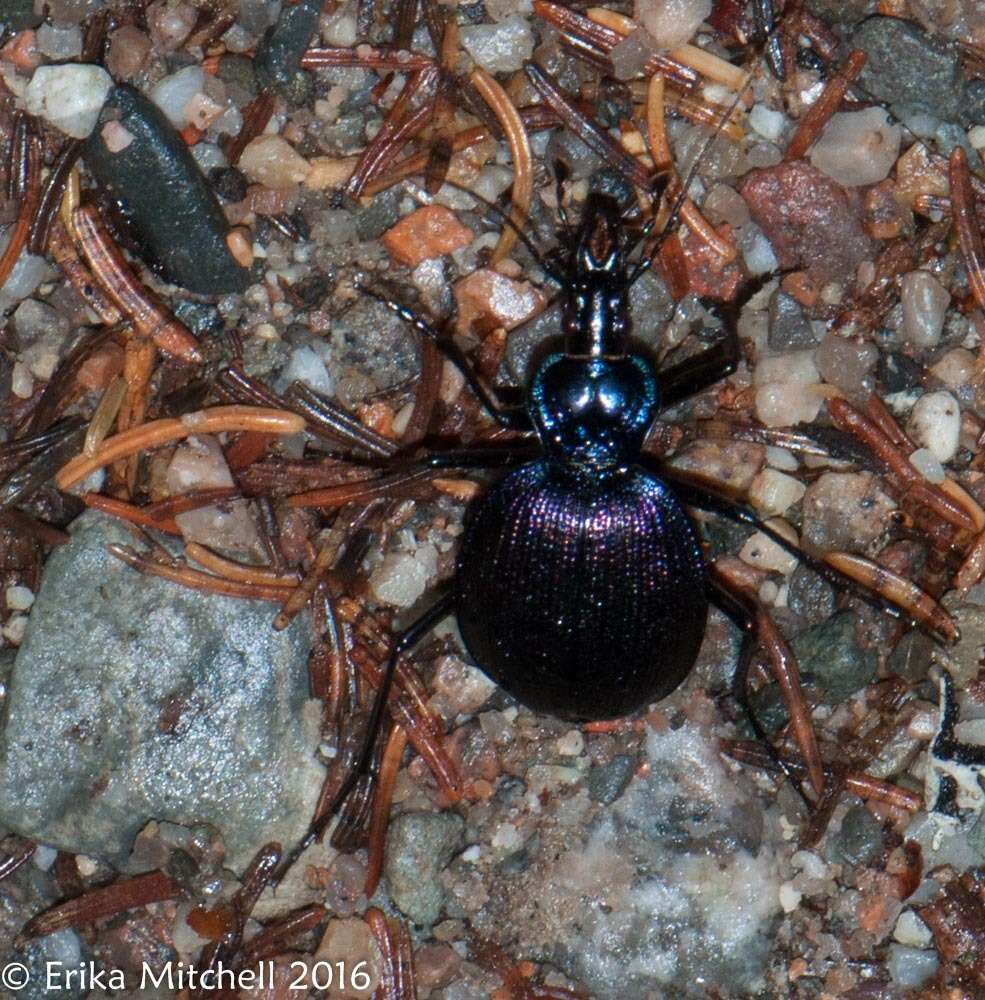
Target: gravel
628,860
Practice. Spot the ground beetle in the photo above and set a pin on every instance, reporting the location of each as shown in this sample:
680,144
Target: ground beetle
580,586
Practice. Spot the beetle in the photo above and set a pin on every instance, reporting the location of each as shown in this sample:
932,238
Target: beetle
580,585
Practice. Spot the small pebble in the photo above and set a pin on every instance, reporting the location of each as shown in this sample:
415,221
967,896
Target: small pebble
500,48
22,382
59,42
431,231
19,598
857,147
174,93
845,363
910,968
199,463
402,577
170,23
956,368
925,301
725,204
240,245
928,465
14,630
329,172
911,930
789,897
68,96
672,22
272,161
785,404
762,552
44,857
935,423
780,458
571,744
631,54
307,367
351,941
772,492
769,124
127,53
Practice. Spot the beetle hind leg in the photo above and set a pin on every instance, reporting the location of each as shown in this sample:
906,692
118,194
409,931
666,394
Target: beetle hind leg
762,632
360,778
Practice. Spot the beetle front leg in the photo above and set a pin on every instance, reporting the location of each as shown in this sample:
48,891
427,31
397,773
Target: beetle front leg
513,417
699,372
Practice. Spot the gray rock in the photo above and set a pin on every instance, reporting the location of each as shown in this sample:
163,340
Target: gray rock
906,67
607,782
418,846
859,840
810,595
830,657
789,328
135,699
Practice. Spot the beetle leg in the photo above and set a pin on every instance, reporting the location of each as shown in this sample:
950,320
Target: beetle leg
363,773
696,373
514,417
481,458
762,631
872,583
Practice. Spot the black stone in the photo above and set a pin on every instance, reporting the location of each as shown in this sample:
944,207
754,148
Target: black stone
230,184
859,841
278,57
169,208
789,327
607,782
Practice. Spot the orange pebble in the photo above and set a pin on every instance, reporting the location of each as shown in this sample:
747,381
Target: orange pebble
431,231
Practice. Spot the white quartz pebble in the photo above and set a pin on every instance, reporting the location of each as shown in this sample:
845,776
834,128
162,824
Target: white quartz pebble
935,423
857,147
69,96
925,301
772,492
672,22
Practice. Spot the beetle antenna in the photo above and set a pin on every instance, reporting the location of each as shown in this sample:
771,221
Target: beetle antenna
682,195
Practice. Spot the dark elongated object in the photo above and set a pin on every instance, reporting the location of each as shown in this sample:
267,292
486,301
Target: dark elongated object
278,56
168,206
